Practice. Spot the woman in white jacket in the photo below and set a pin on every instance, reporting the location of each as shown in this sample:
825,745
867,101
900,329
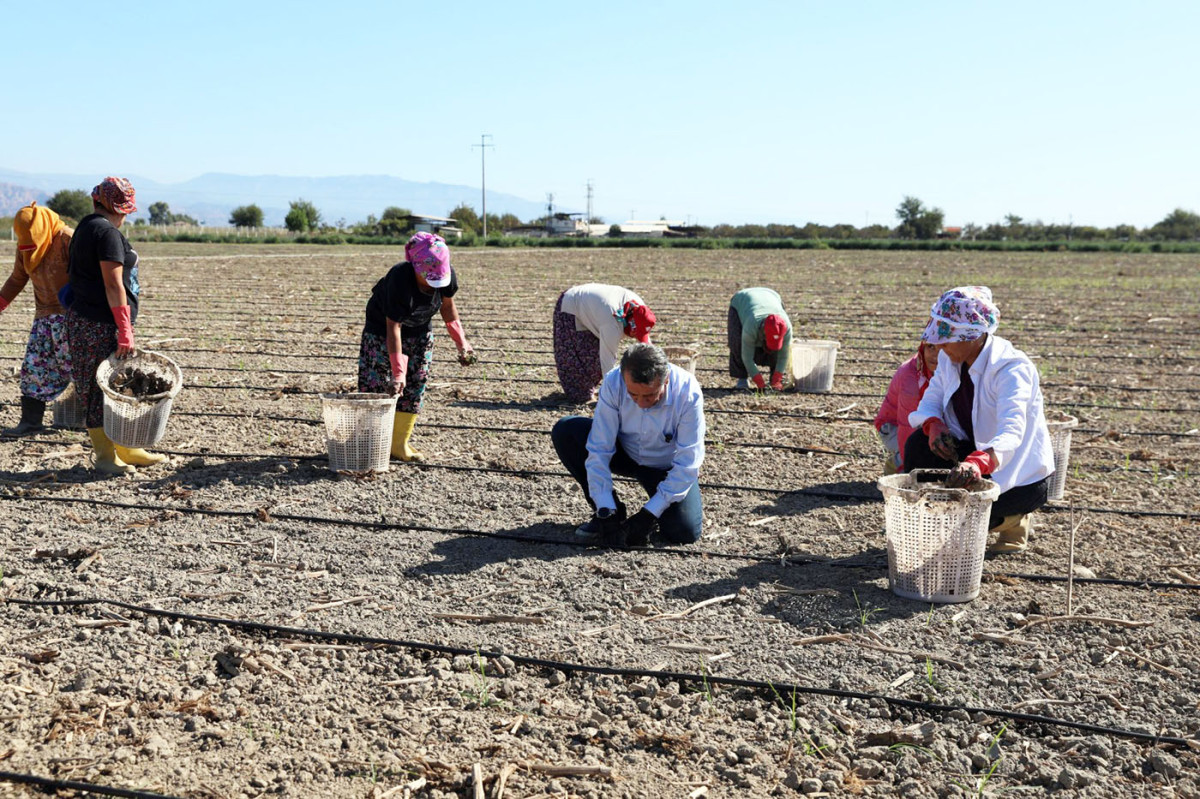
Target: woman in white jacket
589,323
982,414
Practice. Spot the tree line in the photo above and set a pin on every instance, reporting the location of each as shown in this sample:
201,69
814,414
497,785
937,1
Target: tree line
916,221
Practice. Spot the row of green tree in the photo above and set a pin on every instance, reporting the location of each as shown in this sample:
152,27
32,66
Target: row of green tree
916,221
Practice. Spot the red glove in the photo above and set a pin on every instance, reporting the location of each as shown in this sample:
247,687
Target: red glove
466,353
972,468
758,381
982,460
399,371
121,316
3,303
777,381
941,442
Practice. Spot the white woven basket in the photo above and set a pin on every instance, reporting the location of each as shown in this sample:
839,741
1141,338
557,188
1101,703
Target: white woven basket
1060,442
68,412
134,421
812,365
683,357
358,431
936,536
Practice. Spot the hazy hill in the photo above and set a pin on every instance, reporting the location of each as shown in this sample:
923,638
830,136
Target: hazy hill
209,198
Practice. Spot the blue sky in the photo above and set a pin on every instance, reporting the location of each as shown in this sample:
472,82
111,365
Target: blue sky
712,112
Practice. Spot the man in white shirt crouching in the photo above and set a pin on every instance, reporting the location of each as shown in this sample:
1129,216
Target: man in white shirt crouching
648,425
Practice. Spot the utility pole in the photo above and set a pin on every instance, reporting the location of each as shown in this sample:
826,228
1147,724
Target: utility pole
590,187
549,213
483,145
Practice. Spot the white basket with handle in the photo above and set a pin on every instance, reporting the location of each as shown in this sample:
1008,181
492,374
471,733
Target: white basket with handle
936,536
138,421
358,431
812,365
68,412
1060,442
683,357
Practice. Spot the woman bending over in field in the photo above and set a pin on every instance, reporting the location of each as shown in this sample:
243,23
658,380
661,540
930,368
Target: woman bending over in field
43,242
589,322
397,338
982,414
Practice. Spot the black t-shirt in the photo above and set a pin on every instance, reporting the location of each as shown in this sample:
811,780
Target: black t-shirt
398,297
96,240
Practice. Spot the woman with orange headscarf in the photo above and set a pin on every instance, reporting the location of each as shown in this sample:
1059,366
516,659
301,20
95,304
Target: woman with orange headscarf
43,244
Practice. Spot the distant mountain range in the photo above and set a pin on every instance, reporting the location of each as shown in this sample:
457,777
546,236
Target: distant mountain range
209,198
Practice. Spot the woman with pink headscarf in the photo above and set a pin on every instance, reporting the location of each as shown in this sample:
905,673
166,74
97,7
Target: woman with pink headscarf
396,351
43,243
982,414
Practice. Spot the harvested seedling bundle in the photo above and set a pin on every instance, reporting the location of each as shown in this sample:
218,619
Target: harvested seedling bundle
131,381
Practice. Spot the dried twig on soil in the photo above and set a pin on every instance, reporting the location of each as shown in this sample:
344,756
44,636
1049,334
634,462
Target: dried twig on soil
693,608
569,771
506,771
1035,702
823,639
477,779
1123,650
1180,574
784,589
358,600
1001,639
491,618
407,681
922,656
1092,619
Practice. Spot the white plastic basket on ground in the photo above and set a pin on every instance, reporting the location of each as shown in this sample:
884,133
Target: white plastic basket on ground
683,357
1061,426
138,421
67,411
812,364
358,431
936,536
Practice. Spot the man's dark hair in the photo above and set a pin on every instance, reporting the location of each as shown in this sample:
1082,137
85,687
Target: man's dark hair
645,364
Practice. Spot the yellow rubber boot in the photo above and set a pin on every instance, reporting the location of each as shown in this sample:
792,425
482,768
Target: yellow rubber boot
107,460
1012,534
401,432
136,456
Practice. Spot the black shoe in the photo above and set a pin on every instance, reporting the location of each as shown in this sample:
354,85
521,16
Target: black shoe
596,527
33,411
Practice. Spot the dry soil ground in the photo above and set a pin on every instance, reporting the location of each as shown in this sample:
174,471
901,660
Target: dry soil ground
434,588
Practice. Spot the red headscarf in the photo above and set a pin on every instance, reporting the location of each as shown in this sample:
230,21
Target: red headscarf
115,194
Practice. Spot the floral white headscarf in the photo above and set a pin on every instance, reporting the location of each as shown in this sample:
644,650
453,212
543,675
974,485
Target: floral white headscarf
962,314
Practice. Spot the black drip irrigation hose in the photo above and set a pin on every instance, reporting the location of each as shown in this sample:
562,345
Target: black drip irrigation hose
85,788
766,689
849,562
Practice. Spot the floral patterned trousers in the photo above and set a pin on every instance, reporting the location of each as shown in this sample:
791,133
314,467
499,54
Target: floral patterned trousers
46,370
375,369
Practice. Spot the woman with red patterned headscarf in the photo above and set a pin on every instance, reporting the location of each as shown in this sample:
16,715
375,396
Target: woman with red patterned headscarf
43,241
590,322
103,306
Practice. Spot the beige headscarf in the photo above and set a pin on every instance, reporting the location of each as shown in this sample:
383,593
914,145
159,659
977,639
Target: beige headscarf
35,227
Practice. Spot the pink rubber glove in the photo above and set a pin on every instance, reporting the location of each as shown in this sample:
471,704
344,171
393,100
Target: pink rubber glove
941,442
972,469
758,381
466,354
124,331
777,381
399,363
